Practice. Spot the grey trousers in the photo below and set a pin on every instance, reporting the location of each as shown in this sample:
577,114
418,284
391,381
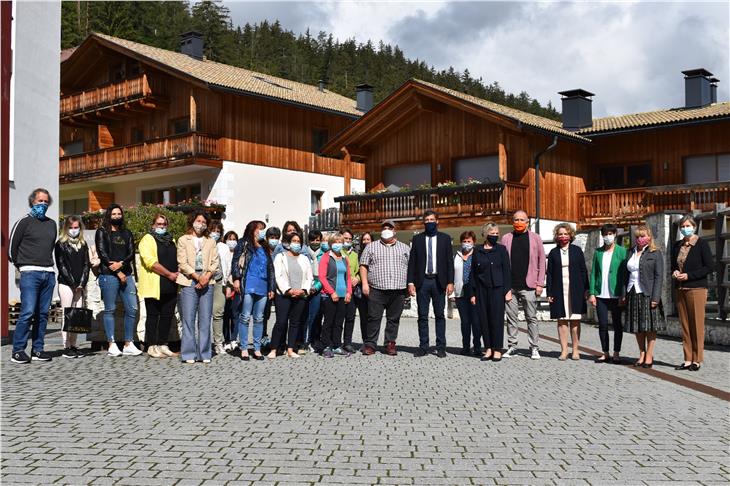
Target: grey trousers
219,309
196,306
528,300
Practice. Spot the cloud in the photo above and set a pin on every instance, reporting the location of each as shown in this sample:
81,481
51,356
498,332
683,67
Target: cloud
630,54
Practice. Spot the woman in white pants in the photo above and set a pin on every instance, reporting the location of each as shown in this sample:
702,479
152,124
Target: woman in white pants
72,260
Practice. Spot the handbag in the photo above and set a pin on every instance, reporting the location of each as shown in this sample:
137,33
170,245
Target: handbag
77,319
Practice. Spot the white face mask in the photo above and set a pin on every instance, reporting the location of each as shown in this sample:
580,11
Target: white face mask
609,239
232,244
387,234
74,232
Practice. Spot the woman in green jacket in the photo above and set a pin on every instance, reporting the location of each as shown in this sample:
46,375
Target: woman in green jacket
607,275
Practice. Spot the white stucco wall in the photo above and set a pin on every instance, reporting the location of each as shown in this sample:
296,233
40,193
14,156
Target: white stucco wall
272,195
34,108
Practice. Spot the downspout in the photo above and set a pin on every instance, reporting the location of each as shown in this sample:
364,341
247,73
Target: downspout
537,181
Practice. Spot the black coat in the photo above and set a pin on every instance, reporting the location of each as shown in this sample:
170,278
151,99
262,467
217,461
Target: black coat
578,276
62,253
697,266
444,260
102,240
489,269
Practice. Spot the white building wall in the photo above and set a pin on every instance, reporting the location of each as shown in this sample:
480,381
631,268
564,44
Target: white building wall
272,195
34,105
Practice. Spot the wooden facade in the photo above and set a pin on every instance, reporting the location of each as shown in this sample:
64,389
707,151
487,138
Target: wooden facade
417,127
121,115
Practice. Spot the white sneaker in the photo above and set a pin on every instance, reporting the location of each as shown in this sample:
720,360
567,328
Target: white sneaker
131,350
219,349
155,352
511,351
165,350
535,354
114,350
233,345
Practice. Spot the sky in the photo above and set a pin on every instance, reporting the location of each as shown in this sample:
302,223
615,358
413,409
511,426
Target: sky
630,54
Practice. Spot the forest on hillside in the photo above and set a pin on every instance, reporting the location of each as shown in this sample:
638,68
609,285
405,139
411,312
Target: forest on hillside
269,48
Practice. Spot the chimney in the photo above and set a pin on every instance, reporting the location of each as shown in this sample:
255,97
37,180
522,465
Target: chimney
322,85
713,89
191,43
697,88
364,97
577,109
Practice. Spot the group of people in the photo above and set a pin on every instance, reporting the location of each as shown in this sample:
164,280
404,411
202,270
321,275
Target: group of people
224,286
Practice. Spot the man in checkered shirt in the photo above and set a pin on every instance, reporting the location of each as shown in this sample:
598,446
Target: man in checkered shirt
384,268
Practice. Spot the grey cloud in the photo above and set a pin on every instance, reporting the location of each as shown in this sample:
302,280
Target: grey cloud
295,16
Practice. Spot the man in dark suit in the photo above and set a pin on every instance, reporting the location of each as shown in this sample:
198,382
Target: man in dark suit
430,279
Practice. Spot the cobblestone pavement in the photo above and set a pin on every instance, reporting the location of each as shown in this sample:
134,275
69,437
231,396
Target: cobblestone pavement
364,420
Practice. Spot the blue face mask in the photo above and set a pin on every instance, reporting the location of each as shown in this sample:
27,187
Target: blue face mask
347,245
325,246
160,231
273,243
431,227
687,230
262,235
337,247
215,235
295,247
39,210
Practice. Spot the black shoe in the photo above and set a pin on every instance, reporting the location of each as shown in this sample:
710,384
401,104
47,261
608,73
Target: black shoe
40,356
20,357
245,358
465,351
258,357
420,353
349,348
477,352
76,351
694,367
441,353
649,365
487,358
69,353
683,367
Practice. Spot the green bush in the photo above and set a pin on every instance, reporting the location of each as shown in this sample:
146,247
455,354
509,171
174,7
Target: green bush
139,220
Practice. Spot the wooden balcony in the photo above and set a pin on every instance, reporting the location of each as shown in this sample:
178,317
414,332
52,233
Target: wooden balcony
457,206
112,99
178,150
630,206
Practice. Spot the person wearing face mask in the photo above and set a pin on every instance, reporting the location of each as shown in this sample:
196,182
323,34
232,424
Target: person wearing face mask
468,314
293,280
430,280
198,261
527,264
31,251
348,251
642,293
489,288
158,273
115,247
310,332
361,300
384,277
290,227
692,262
567,287
273,238
334,274
607,275
229,320
252,272
219,288
72,260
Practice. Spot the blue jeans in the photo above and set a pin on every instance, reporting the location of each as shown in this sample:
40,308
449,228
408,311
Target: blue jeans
36,292
313,327
196,305
111,287
253,305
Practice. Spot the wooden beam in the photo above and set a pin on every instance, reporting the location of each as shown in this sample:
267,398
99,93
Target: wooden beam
356,152
193,112
429,104
502,149
348,161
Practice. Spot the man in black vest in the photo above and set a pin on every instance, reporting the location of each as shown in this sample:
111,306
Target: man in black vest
430,279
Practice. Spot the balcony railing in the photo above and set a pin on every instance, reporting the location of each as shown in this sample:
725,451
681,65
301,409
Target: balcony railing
627,206
474,200
138,155
103,96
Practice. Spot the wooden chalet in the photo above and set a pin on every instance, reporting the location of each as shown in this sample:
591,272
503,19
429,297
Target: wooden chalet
141,124
429,147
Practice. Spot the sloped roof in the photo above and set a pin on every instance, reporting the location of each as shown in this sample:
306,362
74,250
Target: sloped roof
525,118
231,77
656,118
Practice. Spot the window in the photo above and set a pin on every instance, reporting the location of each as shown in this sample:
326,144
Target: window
75,206
410,175
137,135
73,148
319,139
316,202
620,176
707,168
484,169
181,125
171,195
116,72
